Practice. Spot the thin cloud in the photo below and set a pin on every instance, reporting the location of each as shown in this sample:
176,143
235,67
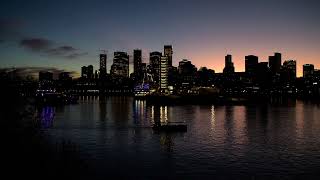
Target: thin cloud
49,48
62,50
76,55
34,71
12,33
36,44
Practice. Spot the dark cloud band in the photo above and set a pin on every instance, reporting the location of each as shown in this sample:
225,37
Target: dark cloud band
49,48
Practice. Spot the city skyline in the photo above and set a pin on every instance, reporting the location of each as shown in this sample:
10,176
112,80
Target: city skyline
38,36
107,64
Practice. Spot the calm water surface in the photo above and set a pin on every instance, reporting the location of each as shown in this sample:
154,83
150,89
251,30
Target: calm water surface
114,136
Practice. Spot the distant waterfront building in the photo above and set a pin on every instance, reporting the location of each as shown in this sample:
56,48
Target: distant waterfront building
186,71
186,67
168,52
137,60
263,73
84,71
87,72
229,67
45,76
164,73
205,76
96,74
90,72
251,64
155,58
316,75
120,64
103,65
290,70
65,76
275,63
308,70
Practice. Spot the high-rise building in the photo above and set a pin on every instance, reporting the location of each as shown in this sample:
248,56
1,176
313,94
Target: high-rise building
103,65
96,74
251,64
186,71
87,72
263,74
137,60
275,63
120,64
290,70
155,58
186,67
229,67
90,72
168,52
316,75
308,70
164,73
84,71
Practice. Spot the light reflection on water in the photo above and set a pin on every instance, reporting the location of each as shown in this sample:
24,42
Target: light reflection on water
45,116
114,134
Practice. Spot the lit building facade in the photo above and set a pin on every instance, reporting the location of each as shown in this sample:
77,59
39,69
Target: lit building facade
137,60
290,70
187,72
308,70
84,71
120,66
168,53
103,65
164,73
155,58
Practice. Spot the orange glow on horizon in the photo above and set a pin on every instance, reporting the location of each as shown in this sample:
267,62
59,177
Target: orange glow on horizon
216,62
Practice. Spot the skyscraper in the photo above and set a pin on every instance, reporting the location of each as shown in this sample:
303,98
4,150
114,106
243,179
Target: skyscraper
137,60
155,58
164,73
103,65
84,71
120,64
290,70
168,52
186,71
186,67
229,67
275,63
90,72
308,70
251,64
263,75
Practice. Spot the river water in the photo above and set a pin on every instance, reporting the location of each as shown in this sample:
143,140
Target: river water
114,137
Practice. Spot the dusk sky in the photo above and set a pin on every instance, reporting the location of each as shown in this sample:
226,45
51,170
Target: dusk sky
69,34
